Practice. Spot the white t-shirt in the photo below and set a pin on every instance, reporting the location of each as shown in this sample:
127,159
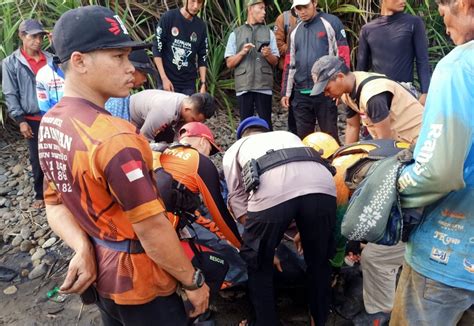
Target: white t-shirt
153,110
277,185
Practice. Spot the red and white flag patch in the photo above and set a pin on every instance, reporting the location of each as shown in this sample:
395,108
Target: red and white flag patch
133,170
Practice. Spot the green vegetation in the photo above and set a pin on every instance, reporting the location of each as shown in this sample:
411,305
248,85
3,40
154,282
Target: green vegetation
222,17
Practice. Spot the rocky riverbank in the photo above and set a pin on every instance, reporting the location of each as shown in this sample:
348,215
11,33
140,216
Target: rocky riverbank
33,260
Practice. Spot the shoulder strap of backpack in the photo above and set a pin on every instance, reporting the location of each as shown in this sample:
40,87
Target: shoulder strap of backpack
374,148
362,84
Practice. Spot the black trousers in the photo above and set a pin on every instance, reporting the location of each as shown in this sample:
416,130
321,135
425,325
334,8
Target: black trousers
250,102
291,116
166,311
186,90
307,109
38,175
315,216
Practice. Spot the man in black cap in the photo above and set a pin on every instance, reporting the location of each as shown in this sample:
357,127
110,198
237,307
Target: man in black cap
18,85
100,196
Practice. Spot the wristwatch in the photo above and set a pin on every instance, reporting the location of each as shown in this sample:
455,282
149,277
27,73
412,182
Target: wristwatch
198,281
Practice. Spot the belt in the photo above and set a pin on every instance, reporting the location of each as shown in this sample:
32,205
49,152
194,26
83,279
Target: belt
129,246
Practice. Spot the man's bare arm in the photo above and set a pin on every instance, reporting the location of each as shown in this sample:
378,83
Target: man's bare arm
234,60
82,269
352,129
161,244
167,85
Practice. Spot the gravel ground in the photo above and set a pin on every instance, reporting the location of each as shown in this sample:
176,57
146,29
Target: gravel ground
39,257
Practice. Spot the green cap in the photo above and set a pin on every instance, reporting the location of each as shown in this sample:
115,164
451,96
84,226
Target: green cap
254,2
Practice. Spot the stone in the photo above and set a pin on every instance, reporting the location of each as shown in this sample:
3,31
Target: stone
40,252
13,183
36,262
24,272
49,243
17,241
26,246
32,251
24,205
49,259
17,169
39,233
3,178
24,264
6,235
41,242
25,232
3,201
10,290
8,215
4,191
38,271
55,309
15,250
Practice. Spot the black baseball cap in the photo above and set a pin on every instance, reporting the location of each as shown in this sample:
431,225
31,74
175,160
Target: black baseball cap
141,61
90,28
32,27
322,70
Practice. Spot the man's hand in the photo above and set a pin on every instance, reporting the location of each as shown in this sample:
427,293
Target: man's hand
277,263
81,273
285,102
266,51
298,244
199,299
422,99
25,130
246,48
242,219
167,85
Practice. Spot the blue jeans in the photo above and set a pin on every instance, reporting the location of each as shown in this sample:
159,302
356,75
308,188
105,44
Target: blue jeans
421,301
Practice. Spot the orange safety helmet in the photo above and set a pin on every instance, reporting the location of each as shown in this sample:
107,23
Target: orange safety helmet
322,142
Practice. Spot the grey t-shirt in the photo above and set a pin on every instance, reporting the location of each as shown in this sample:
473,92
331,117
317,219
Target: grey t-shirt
154,110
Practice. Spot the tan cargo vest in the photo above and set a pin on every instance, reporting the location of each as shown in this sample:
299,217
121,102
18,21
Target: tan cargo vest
406,113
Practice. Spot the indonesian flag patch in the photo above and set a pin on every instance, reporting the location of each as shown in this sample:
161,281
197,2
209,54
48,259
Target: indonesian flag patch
133,170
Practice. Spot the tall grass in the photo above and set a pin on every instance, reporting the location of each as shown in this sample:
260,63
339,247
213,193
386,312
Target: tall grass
222,16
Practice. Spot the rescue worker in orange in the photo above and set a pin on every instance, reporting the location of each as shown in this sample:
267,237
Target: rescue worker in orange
189,165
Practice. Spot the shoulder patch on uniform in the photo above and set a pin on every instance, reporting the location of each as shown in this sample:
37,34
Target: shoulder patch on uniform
133,170
174,31
343,33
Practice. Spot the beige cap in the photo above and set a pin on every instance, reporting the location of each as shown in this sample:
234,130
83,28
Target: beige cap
300,3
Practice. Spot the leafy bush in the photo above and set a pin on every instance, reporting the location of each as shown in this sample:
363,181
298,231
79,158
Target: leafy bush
222,16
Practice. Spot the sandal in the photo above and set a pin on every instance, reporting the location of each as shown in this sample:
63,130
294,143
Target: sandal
38,204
